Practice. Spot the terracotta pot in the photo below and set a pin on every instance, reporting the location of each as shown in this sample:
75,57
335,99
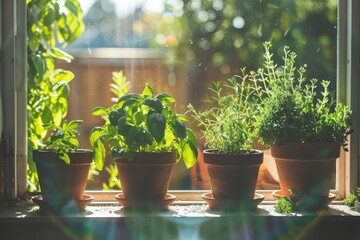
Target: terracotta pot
60,182
146,176
233,176
306,168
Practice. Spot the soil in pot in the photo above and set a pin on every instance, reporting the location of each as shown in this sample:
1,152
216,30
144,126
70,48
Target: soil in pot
62,184
233,176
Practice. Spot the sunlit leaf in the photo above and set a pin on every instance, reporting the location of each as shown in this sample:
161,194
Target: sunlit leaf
165,98
148,92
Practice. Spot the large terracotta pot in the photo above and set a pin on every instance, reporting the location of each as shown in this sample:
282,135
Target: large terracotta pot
62,183
233,176
146,176
306,168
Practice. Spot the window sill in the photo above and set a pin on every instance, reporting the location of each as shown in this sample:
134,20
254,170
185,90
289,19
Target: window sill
185,219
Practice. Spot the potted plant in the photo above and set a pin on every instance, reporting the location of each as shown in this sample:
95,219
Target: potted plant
146,138
228,130
63,169
303,126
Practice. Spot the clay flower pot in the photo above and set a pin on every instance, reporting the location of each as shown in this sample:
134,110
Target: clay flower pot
62,185
307,169
146,177
233,176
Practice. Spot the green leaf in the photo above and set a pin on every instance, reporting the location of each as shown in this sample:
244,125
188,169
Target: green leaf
63,75
190,154
59,54
99,154
131,137
124,129
165,98
180,129
191,136
73,124
182,117
99,111
95,135
129,96
148,92
156,124
155,104
65,157
62,89
39,64
129,102
139,117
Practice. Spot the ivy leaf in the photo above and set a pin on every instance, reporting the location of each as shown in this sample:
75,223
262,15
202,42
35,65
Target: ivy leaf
156,124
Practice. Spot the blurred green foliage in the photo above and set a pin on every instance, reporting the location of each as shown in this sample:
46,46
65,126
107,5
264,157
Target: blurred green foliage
226,35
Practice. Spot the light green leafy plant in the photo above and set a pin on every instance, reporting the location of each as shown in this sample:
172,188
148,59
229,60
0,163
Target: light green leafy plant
353,201
294,203
49,24
228,125
143,123
294,109
63,138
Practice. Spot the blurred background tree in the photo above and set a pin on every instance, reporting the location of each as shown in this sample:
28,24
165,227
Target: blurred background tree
215,37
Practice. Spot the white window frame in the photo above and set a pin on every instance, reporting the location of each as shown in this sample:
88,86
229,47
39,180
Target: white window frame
13,100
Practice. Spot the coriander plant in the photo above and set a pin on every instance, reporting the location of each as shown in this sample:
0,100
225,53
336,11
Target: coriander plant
294,109
228,124
63,139
142,123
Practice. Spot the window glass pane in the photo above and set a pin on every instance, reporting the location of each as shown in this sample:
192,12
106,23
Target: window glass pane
181,47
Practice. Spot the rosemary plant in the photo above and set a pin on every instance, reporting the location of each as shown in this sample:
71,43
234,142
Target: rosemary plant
228,124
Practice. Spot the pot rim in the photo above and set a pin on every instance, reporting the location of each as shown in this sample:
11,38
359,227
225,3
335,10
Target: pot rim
49,156
306,151
213,157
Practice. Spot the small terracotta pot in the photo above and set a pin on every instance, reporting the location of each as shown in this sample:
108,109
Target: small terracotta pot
146,176
61,182
306,168
233,176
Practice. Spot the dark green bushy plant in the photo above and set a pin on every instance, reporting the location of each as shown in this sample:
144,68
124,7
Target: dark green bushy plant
228,124
294,109
142,123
